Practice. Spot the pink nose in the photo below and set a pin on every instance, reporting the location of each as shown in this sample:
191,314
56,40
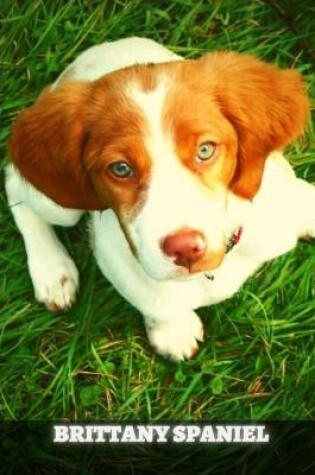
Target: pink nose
185,246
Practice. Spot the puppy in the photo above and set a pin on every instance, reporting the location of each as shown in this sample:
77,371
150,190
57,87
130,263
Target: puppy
180,164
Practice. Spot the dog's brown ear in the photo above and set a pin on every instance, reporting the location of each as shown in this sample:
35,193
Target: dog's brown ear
267,107
47,146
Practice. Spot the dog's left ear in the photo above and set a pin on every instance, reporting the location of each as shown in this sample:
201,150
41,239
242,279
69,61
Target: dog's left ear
47,146
267,107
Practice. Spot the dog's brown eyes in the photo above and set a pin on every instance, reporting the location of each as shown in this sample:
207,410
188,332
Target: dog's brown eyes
121,169
205,151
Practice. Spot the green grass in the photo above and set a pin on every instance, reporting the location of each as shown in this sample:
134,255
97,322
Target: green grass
94,362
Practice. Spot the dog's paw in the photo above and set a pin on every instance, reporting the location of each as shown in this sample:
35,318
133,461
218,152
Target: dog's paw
56,282
177,339
311,231
308,233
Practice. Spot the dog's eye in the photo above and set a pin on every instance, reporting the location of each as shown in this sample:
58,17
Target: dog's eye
206,151
121,169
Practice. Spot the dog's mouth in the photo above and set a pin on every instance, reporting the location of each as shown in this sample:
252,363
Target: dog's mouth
211,261
189,271
176,267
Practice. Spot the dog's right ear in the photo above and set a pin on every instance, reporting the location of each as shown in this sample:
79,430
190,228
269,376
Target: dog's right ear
267,106
47,146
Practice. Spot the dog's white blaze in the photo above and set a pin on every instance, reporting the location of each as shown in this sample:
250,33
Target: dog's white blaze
111,56
176,199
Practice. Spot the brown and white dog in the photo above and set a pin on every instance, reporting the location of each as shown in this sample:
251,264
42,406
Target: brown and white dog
184,156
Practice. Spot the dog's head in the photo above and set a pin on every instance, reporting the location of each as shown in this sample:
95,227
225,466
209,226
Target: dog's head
162,145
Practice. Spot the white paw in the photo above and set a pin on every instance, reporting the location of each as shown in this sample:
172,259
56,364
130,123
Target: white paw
308,233
311,232
55,281
178,339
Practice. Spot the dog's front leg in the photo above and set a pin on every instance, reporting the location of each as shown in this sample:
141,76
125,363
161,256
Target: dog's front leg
173,328
54,275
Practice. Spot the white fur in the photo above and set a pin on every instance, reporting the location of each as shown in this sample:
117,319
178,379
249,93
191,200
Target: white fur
111,56
165,212
54,275
282,211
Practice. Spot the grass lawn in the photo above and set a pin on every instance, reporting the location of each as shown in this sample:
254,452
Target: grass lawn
94,362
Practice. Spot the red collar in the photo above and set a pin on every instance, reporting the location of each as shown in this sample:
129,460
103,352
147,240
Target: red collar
233,240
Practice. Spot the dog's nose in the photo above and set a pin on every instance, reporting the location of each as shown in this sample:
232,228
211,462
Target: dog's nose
185,246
